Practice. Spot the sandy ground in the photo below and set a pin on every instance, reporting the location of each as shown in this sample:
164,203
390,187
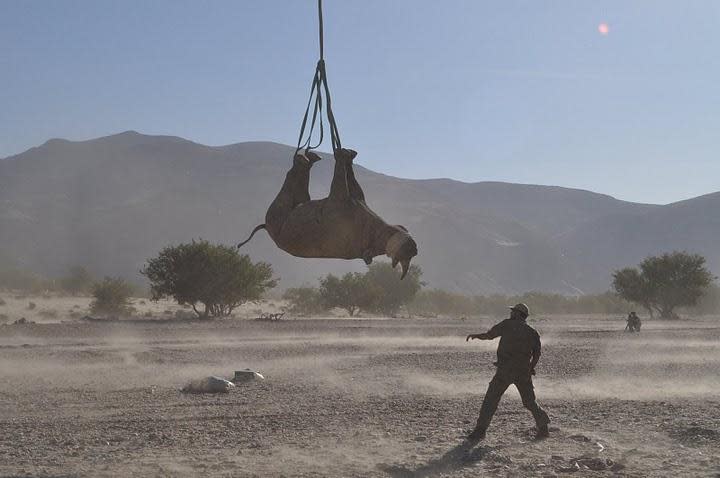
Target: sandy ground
348,397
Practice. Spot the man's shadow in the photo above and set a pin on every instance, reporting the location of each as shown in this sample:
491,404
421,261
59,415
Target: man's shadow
458,457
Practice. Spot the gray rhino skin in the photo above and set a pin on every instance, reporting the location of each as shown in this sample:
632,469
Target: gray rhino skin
340,226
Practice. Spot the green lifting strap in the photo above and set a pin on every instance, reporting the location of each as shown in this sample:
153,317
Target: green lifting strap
319,85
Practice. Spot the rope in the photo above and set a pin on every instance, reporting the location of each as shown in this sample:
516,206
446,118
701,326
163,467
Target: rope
318,86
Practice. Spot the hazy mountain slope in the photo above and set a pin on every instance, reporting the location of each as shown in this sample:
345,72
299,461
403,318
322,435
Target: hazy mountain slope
112,202
619,240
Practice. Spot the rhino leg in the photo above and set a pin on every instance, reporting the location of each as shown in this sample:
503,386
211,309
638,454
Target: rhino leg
295,190
356,191
340,187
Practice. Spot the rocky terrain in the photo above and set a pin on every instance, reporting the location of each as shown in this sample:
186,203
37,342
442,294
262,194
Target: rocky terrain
366,397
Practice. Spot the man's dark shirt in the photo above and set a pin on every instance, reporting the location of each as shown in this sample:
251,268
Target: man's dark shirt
518,343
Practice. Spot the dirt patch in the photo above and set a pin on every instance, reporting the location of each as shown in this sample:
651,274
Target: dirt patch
352,398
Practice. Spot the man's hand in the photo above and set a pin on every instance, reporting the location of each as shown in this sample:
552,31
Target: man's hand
476,336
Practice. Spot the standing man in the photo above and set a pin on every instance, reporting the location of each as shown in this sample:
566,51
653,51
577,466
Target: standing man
517,355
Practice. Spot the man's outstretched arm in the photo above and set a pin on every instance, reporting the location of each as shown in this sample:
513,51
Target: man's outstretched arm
484,336
496,331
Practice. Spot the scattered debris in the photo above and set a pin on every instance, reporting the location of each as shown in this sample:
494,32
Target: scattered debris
270,317
89,318
594,463
23,320
246,375
209,385
695,435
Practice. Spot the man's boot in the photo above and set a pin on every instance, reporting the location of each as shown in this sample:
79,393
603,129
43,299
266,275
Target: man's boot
476,435
542,431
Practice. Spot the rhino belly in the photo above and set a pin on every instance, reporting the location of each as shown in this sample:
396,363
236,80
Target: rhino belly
313,232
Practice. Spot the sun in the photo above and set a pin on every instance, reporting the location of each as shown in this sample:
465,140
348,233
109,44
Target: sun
604,29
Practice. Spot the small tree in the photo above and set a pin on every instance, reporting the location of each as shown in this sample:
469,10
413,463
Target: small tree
349,292
304,300
77,281
213,275
388,292
112,296
630,284
664,282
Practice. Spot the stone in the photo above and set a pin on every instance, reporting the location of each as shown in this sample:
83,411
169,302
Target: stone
209,385
246,376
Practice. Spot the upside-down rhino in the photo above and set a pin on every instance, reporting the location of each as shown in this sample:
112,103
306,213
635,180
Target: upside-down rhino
340,226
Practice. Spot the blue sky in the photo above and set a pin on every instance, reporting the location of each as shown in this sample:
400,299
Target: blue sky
520,91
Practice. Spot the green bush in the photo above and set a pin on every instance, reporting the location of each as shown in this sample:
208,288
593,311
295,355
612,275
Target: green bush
663,283
111,297
304,301
387,292
351,292
215,276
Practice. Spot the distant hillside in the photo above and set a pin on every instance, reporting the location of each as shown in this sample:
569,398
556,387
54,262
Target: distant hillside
112,202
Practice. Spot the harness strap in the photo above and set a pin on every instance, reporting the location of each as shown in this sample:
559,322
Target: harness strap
319,84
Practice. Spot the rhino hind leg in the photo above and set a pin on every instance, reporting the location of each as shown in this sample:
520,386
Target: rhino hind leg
356,191
344,186
295,190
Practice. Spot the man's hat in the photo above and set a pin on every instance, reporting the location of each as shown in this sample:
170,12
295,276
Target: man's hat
521,308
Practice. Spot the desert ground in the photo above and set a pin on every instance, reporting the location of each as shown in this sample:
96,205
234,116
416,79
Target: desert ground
368,397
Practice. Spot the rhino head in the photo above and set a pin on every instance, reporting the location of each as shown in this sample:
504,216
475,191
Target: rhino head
401,248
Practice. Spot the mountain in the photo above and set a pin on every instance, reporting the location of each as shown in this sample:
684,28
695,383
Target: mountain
112,202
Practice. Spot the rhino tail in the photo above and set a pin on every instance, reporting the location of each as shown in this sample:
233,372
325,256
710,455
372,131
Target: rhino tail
257,228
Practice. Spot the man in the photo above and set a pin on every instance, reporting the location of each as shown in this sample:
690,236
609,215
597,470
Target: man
517,356
633,322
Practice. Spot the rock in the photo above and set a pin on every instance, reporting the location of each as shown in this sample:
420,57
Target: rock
209,385
594,464
569,469
246,376
420,438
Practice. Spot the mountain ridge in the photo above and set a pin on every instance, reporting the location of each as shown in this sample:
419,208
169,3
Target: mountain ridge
110,203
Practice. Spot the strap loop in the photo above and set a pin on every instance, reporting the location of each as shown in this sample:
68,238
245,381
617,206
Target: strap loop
319,84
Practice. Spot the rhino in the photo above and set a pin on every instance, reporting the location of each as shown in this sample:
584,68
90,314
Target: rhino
340,226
